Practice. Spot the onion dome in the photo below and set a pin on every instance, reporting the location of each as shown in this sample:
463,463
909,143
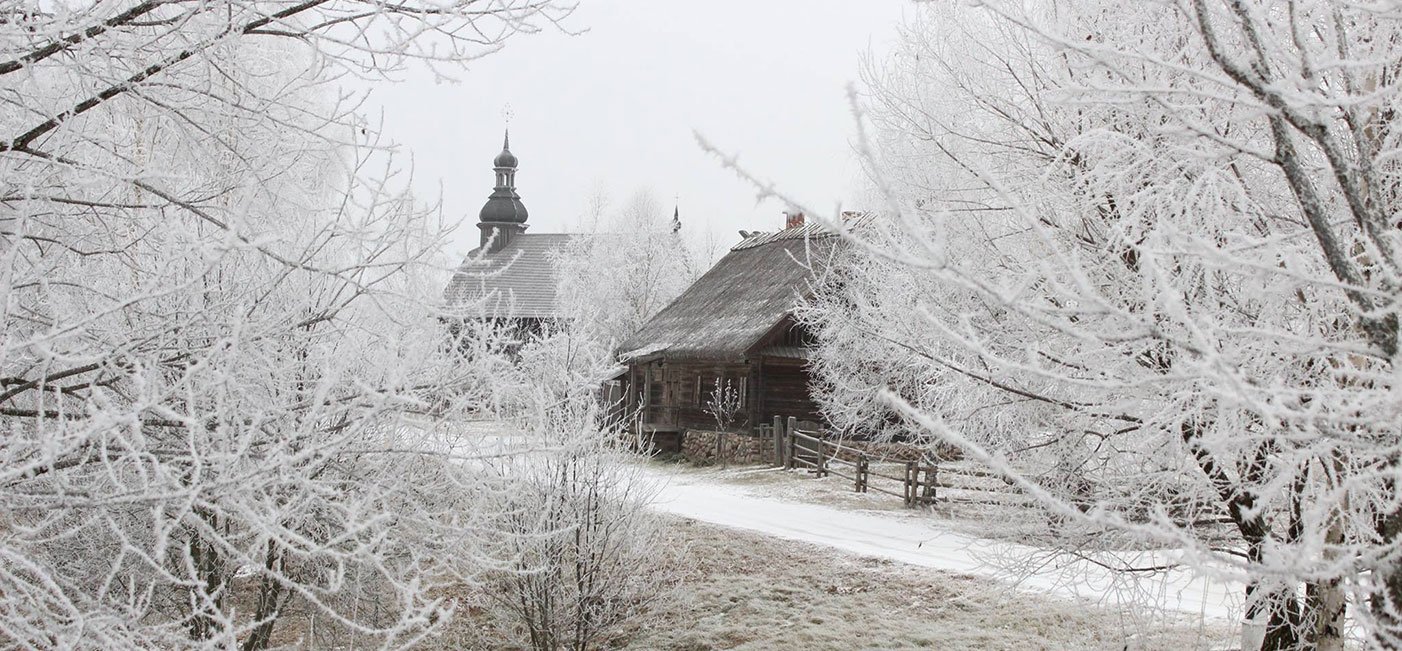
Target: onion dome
505,158
504,205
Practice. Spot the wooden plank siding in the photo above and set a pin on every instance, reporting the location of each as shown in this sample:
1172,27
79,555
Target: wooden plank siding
786,390
677,392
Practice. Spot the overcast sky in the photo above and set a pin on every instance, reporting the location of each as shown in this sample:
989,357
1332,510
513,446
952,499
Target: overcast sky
615,109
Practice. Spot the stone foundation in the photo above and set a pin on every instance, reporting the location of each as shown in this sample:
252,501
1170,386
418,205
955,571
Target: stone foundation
700,447
663,442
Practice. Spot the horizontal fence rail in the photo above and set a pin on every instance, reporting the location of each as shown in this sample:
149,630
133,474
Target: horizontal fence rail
916,483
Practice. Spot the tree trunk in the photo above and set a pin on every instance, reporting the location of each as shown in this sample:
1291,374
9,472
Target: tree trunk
1386,602
1327,607
211,581
1280,610
1325,599
271,597
1277,605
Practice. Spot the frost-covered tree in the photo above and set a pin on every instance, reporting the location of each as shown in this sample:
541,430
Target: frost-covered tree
1142,258
214,333
635,260
626,266
588,557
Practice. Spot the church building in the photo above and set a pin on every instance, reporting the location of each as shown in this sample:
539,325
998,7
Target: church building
510,277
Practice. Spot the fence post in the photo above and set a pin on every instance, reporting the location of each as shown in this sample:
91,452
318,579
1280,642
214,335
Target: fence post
793,440
931,478
862,473
912,480
778,430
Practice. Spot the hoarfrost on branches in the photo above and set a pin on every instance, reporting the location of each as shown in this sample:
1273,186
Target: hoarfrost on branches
216,342
631,263
1143,259
723,403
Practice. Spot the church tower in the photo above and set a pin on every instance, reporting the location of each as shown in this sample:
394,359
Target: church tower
503,216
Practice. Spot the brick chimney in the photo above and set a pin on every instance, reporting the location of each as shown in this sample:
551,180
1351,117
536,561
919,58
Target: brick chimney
793,220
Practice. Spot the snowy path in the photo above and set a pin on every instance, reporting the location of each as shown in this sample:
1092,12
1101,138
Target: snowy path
920,541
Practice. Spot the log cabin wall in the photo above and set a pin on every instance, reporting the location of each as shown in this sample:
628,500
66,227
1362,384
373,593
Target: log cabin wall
688,390
672,395
786,390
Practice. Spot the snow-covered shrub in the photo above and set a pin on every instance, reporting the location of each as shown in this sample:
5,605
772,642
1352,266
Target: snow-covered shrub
587,557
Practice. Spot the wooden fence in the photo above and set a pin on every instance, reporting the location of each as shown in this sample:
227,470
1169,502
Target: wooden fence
916,483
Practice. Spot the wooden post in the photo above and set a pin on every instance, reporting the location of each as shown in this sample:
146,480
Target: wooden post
861,473
910,483
931,476
789,428
778,430
792,450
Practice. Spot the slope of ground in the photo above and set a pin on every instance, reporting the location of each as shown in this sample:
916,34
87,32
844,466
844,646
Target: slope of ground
918,539
746,591
781,561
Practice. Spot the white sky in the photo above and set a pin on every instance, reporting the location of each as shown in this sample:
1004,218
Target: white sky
615,109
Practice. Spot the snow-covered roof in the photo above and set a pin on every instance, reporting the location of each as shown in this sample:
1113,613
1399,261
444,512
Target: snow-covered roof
728,311
516,281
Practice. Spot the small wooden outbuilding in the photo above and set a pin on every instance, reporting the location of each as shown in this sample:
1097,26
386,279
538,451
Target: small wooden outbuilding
734,325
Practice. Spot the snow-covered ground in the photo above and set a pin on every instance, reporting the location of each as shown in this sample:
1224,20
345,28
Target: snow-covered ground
767,502
908,538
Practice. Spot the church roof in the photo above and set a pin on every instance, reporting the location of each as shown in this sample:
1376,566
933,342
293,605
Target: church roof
517,281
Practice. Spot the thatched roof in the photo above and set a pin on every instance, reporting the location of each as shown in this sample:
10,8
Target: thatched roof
516,282
728,311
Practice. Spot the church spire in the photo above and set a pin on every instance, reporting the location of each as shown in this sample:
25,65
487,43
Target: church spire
505,162
676,218
503,215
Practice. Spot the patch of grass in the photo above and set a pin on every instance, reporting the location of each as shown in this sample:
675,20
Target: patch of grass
749,592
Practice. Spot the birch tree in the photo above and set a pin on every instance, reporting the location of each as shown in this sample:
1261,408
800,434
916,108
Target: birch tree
1161,240
215,329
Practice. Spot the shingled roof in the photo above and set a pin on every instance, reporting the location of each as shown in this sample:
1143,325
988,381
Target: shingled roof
515,282
725,313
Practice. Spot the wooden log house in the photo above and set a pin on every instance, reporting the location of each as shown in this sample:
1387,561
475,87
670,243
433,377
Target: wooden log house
735,324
